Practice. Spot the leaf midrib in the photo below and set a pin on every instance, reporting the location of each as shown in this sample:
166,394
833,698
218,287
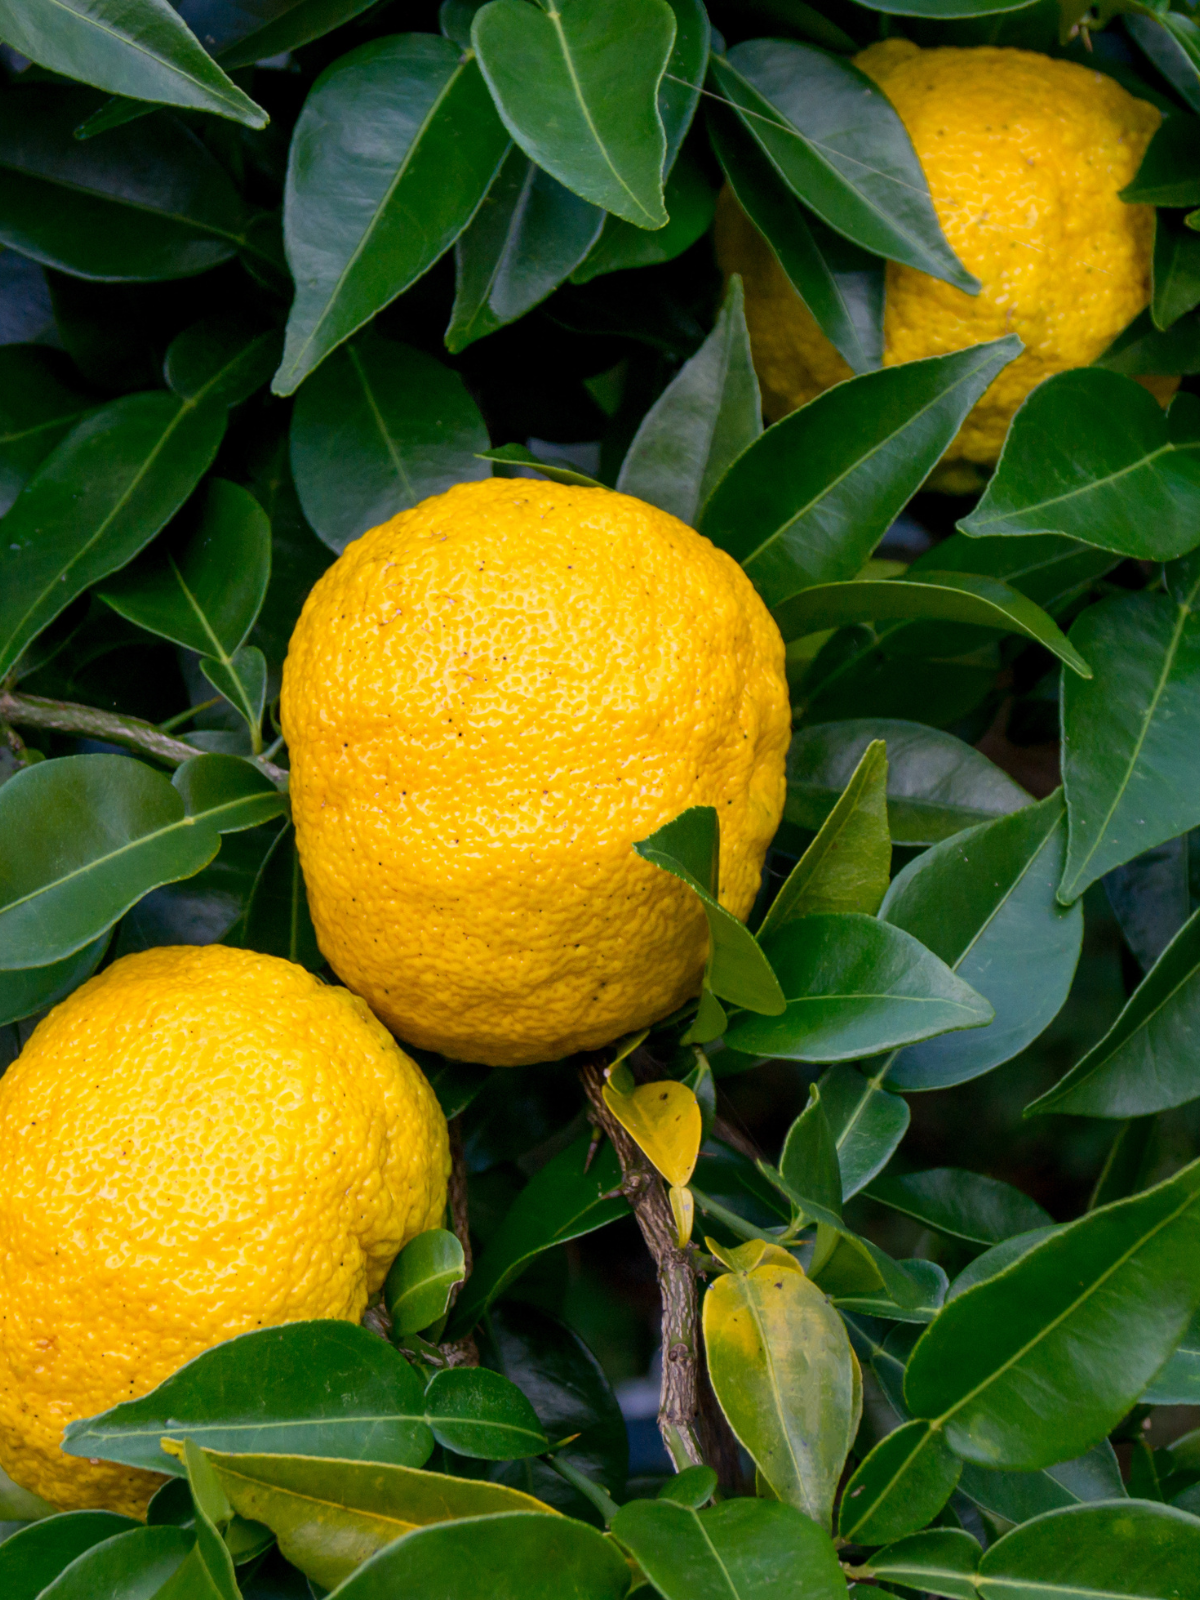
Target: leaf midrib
979,525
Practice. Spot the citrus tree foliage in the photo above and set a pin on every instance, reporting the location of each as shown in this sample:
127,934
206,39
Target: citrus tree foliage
274,270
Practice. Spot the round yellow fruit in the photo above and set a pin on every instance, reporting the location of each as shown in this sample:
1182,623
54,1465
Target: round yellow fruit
487,700
197,1143
1025,157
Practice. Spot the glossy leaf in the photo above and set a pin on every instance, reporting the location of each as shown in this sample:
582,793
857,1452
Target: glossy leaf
1093,455
130,1566
422,1279
986,902
867,1123
565,1200
809,1159
1176,274
663,1120
117,208
786,1377
40,402
1127,734
258,31
738,971
26,990
1170,171
940,596
621,246
946,10
98,498
1177,1382
693,1487
517,455
1017,1370
738,1550
37,1553
964,1205
527,237
1114,1549
1018,1496
937,785
310,1388
211,1557
703,420
1046,567
682,82
834,138
277,918
430,147
330,1516
939,1561
903,1484
84,837
141,48
855,986
479,1413
810,500
578,87
1150,897
1146,1060
234,350
1143,350
379,428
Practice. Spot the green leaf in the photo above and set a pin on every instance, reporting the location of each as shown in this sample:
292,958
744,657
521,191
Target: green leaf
27,990
703,420
229,347
621,245
941,596
258,31
1018,1496
1145,1062
693,1488
517,455
429,149
855,986
738,971
1173,45
939,1561
578,87
903,1484
810,500
809,1159
379,428
242,679
787,1380
422,1279
1170,171
85,837
141,48
1046,567
1177,1383
1176,271
118,208
277,919
565,1200
98,498
37,1553
682,82
962,1205
330,1516
985,901
1149,897
309,1388
846,867
867,1123
946,10
738,1550
841,284
211,1557
130,1566
528,235
1093,455
512,1555
937,785
479,1413
1128,734
834,138
1142,349
39,403
1107,1551
1015,1369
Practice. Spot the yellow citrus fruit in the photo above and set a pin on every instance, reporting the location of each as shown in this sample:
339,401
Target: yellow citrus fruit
197,1143
1025,157
487,700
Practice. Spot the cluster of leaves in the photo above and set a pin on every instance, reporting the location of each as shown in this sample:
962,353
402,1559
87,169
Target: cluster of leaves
468,241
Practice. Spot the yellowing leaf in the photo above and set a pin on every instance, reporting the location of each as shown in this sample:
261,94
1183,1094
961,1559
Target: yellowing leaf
758,1252
683,1208
664,1120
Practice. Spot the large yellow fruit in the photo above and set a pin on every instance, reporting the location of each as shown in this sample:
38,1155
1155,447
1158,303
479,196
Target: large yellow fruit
486,701
1025,157
199,1142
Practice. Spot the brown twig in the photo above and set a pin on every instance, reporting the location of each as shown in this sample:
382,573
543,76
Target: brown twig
64,716
459,1352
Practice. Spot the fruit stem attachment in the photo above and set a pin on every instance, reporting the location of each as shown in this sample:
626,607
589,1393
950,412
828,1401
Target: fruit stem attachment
64,716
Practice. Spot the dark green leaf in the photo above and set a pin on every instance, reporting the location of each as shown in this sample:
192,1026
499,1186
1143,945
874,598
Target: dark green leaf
1107,1551
963,1205
118,208
1176,271
622,245
422,1279
834,138
429,148
738,1550
1170,41
39,403
310,1388
26,990
683,80
862,1280
528,235
702,421
867,1123
36,1554
738,971
277,917
1170,171
131,1566
1150,899
98,498
379,428
257,31
986,902
937,785
902,1485
810,500
945,10
939,1561
1177,1383
516,455
141,48
841,284
563,1201
225,357
1046,567
809,1160
1042,1360
578,90
1128,734
479,1413
1144,349
242,680
693,1487
1018,1496
855,986
211,1557
1091,454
